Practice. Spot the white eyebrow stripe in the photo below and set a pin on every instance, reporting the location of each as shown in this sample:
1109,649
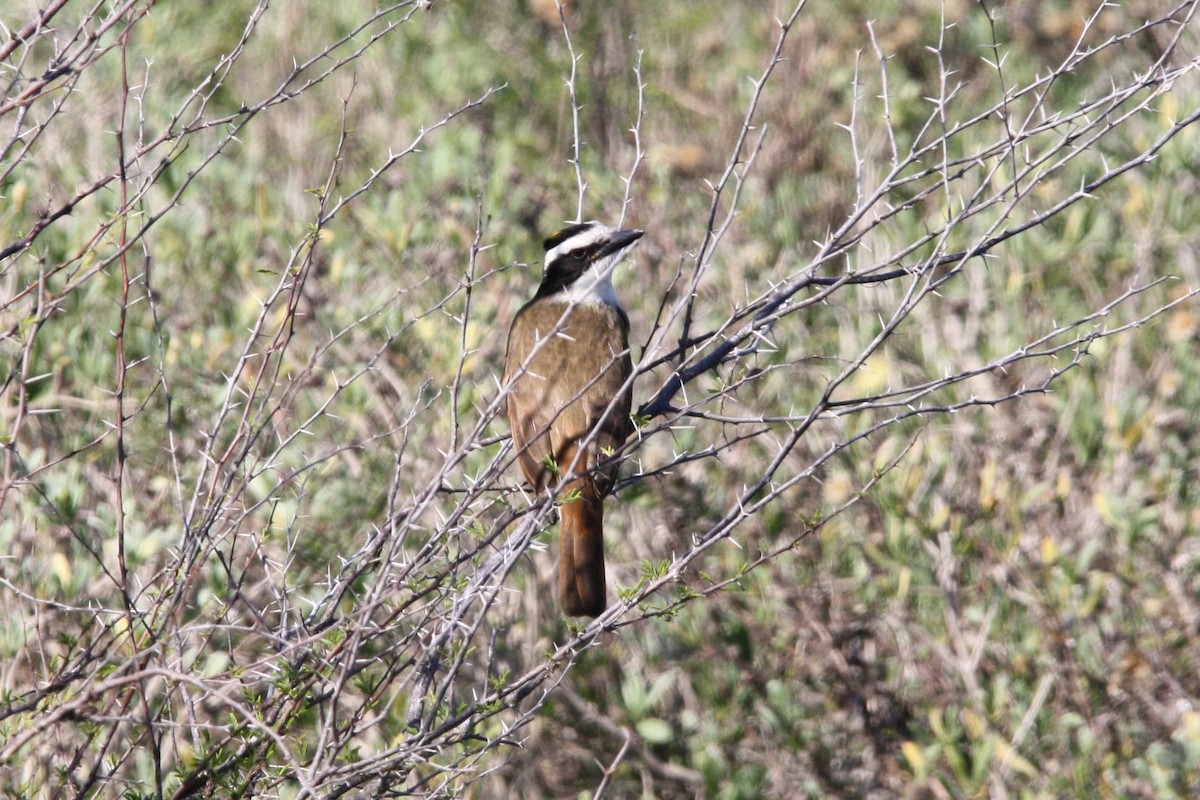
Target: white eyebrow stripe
591,236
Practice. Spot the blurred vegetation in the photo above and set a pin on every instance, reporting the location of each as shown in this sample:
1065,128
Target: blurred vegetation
1013,610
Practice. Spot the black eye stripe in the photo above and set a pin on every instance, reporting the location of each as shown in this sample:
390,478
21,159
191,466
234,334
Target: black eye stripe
573,261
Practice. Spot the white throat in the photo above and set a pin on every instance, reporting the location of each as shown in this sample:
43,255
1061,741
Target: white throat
594,286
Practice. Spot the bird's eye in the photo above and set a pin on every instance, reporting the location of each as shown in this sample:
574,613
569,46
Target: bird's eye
578,253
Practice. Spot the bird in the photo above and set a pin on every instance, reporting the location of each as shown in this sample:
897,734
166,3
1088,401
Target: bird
567,367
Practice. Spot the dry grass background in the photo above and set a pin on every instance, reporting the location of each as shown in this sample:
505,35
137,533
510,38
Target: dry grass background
260,538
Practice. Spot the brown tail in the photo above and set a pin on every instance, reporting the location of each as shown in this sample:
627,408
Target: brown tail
581,563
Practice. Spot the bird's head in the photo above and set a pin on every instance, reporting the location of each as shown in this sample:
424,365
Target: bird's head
582,257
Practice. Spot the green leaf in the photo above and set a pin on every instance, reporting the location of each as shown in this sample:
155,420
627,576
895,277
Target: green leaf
655,730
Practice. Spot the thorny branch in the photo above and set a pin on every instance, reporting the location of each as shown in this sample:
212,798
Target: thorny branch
222,659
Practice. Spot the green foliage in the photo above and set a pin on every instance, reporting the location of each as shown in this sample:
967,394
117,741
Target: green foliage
1006,603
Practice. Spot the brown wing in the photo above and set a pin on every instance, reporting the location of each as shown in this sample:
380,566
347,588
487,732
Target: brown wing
547,410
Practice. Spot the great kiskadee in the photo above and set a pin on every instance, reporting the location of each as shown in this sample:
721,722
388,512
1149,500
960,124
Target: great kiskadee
569,365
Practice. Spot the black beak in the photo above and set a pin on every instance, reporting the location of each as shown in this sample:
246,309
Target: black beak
619,241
